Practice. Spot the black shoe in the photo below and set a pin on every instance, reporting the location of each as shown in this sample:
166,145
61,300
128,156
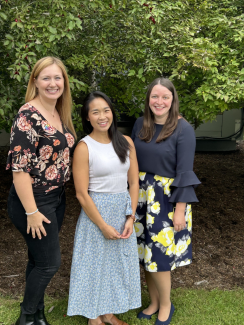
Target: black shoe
25,319
40,318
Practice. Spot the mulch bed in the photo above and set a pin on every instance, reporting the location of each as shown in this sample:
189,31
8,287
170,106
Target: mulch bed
218,228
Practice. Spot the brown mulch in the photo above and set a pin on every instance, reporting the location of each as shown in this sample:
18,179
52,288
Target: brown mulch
218,228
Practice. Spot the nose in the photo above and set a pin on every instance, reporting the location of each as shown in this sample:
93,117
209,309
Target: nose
159,100
52,82
101,116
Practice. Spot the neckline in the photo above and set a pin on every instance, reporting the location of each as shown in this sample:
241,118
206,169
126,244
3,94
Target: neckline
105,144
163,124
48,121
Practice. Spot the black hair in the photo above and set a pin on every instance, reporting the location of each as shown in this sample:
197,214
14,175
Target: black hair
120,144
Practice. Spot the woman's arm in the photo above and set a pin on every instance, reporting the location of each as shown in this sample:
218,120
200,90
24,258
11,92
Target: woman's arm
179,216
185,178
81,180
133,180
23,187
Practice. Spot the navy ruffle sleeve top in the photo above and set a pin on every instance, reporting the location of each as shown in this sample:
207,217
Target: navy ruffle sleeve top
171,158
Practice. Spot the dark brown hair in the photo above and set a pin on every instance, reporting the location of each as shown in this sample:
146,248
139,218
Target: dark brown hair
120,144
148,128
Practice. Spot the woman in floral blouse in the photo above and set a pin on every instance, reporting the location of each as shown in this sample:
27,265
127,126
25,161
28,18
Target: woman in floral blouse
41,144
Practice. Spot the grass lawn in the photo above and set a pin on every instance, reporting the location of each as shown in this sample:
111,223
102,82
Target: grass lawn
193,307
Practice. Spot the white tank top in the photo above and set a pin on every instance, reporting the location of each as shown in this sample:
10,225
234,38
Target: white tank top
106,172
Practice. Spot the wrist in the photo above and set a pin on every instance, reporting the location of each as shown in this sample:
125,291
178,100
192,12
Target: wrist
103,226
131,217
31,213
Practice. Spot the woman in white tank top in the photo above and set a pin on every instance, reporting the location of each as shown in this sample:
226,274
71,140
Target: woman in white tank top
105,276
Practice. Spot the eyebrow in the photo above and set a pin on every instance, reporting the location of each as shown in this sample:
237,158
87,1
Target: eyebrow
57,75
96,109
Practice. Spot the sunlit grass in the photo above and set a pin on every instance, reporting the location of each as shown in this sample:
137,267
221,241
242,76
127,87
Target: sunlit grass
193,307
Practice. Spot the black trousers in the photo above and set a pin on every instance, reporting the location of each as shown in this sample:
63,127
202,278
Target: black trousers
44,254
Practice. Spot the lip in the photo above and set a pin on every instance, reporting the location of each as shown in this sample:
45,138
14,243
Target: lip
158,108
52,91
103,124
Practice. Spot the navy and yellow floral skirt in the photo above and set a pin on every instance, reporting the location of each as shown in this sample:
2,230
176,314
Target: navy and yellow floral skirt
160,247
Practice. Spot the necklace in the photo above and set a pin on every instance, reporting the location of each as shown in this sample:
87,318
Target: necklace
53,114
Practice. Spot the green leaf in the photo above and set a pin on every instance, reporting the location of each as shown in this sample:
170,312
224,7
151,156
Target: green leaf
131,73
19,24
13,24
52,30
3,15
52,37
140,71
8,36
6,42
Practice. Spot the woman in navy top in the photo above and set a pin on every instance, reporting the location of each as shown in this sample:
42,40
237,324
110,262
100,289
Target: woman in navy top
165,146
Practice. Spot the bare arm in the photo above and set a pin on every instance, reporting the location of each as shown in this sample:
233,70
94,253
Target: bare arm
133,180
23,187
81,180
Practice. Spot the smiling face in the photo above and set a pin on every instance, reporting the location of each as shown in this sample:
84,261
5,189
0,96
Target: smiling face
100,115
160,101
50,83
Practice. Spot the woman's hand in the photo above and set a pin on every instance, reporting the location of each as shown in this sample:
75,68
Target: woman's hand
179,221
110,232
35,224
128,230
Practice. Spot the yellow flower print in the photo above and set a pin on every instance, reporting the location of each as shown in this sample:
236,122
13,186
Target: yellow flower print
153,267
150,194
142,195
165,237
148,254
165,180
170,215
142,176
150,219
189,217
141,251
188,241
173,267
158,178
155,208
171,250
138,229
183,263
181,247
166,183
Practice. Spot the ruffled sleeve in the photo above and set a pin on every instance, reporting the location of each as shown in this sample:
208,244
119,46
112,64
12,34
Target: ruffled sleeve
24,140
185,180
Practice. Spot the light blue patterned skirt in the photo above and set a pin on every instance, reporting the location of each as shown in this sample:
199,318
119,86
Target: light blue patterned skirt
105,275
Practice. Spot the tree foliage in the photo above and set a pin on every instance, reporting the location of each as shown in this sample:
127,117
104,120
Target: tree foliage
121,46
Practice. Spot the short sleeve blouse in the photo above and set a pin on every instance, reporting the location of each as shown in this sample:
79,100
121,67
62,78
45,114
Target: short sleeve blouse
172,158
39,149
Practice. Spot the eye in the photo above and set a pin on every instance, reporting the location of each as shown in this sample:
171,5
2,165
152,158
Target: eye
154,96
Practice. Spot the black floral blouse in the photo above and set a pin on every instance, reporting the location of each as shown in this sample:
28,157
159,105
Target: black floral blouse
39,149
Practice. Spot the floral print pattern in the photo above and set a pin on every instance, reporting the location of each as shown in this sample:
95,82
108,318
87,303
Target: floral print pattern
160,247
105,276
40,149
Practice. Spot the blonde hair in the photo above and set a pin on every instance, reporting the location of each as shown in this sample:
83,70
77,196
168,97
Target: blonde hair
64,102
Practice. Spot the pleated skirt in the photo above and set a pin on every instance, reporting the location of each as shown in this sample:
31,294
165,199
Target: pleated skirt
105,275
